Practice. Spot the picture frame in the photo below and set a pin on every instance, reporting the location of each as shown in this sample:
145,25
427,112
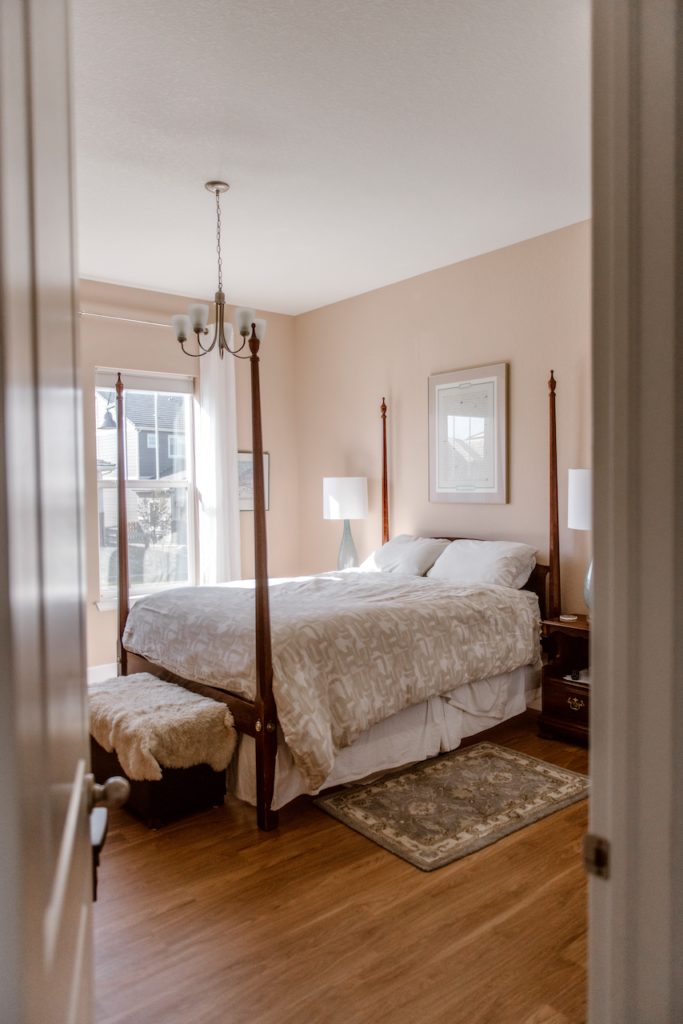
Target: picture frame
245,476
468,456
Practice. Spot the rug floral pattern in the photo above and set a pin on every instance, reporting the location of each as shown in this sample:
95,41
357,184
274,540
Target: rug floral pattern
443,809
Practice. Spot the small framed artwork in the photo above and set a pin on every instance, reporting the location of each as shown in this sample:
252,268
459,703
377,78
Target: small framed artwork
468,435
245,474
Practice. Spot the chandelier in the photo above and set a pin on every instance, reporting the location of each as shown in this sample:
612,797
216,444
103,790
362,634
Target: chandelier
197,318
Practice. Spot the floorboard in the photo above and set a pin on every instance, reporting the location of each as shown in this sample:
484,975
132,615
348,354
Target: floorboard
210,920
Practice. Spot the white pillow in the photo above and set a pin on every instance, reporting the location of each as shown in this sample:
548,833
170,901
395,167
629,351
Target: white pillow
525,573
405,555
485,561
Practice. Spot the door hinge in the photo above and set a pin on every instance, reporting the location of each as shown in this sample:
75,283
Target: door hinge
596,855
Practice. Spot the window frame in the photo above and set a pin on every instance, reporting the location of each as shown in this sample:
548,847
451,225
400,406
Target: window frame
152,384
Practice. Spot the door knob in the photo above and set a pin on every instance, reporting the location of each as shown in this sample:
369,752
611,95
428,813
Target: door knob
113,793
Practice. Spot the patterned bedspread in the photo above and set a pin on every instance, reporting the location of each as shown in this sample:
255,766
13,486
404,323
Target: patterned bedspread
349,649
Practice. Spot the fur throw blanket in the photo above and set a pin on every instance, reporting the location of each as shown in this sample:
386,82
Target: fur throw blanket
150,723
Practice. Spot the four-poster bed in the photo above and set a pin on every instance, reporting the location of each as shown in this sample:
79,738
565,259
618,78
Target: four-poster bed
258,717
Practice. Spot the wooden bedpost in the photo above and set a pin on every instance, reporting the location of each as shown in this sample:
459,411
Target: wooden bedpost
124,576
555,600
385,488
266,724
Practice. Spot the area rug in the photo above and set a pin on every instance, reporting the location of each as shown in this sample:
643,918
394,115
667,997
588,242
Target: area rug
441,810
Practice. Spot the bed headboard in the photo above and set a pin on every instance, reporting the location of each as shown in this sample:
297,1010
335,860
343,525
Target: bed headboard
545,579
538,583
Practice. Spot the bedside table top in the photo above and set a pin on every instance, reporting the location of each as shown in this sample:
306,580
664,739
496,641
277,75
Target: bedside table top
580,626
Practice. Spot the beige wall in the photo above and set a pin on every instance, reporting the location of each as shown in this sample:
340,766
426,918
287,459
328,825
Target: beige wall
527,305
131,346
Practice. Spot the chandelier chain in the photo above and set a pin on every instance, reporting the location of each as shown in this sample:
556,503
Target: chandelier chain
218,241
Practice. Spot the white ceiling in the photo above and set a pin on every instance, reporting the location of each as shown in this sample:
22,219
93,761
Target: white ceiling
365,141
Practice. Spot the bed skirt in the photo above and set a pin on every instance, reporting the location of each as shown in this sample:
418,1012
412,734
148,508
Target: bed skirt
414,734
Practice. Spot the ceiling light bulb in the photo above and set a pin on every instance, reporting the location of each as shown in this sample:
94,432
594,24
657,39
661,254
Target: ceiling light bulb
199,315
244,318
181,326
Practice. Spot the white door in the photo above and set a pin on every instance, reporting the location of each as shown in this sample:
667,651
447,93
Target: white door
45,856
636,905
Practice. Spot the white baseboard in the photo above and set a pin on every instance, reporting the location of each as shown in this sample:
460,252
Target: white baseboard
98,673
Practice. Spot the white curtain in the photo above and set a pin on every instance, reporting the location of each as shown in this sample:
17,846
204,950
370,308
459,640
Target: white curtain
216,462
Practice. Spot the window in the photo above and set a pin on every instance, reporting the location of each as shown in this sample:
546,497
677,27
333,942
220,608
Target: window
159,495
176,446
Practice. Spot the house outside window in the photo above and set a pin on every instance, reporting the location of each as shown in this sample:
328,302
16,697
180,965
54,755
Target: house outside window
160,476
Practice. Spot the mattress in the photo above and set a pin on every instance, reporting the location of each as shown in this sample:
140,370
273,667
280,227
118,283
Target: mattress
414,734
350,649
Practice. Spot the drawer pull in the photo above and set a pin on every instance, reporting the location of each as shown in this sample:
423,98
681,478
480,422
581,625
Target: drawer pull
575,704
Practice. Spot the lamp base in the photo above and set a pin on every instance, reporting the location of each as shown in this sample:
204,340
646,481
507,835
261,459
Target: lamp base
588,588
348,556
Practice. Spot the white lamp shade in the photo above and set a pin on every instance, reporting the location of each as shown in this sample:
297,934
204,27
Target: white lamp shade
345,497
260,326
181,326
199,315
580,499
244,318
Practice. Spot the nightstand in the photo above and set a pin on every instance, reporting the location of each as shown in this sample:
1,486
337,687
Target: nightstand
565,702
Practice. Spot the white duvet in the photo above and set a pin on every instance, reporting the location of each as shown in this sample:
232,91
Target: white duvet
349,648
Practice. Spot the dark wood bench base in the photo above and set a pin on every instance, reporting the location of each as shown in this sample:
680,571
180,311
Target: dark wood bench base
181,791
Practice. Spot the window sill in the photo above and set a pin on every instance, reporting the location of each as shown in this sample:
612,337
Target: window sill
112,604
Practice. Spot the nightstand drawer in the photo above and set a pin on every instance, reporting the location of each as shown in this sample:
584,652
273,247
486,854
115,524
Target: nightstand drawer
562,699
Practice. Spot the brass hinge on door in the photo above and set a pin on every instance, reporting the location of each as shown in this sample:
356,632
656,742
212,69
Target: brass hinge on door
596,855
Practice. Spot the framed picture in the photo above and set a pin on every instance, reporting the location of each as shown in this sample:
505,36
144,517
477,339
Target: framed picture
468,435
245,473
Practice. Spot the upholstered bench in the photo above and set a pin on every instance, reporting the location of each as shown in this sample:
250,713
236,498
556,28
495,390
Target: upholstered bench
172,745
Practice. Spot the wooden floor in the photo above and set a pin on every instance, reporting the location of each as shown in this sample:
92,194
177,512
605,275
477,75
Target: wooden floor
209,921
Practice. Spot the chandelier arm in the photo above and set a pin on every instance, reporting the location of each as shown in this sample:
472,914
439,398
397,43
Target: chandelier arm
194,355
234,351
215,336
198,355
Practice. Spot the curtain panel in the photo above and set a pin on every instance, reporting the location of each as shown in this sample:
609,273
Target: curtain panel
216,469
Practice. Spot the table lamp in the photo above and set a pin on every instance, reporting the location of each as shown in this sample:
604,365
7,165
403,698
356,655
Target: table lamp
345,497
580,516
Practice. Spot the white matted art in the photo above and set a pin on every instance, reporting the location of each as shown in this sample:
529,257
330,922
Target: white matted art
245,474
468,435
